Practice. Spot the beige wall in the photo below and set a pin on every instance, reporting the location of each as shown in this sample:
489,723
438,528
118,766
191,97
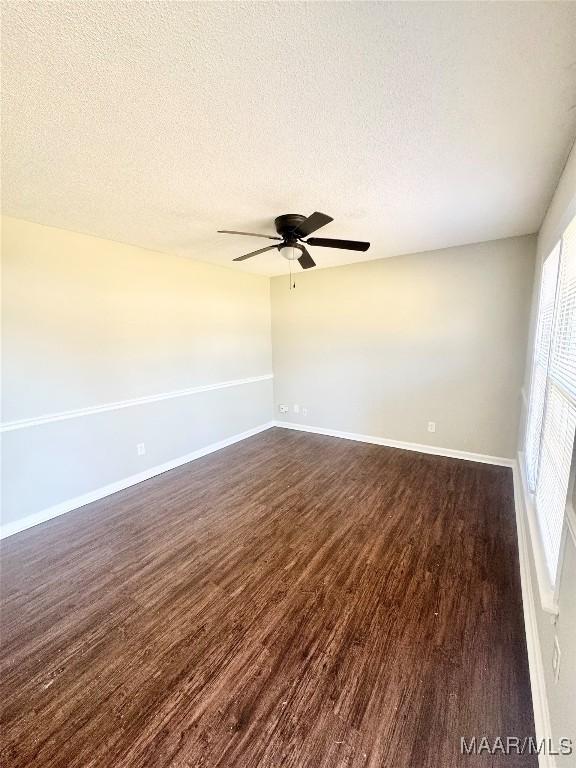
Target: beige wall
88,322
383,347
560,694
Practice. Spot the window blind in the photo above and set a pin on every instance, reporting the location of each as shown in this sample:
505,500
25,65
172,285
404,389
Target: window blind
540,364
563,358
552,412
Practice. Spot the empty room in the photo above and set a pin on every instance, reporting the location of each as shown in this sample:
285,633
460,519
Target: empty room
288,384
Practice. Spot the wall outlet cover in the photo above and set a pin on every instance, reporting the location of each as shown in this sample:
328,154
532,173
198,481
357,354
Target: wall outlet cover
140,449
283,408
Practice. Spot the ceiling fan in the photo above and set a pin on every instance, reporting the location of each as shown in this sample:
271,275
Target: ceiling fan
292,228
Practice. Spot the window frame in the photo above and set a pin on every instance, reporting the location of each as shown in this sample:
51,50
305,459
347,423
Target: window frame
548,582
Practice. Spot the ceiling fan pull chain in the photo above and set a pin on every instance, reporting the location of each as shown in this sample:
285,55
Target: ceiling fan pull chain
292,284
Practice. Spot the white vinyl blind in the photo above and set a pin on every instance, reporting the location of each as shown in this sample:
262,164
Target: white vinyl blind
563,357
540,364
552,412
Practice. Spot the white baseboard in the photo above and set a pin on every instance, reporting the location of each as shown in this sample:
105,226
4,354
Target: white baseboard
419,447
99,493
9,529
542,721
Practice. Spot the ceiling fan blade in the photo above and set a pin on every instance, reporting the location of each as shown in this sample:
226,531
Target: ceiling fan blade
251,234
328,242
306,261
312,223
255,253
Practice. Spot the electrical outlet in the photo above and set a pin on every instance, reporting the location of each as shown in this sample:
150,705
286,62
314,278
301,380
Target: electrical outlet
140,449
283,408
296,408
304,411
431,426
556,659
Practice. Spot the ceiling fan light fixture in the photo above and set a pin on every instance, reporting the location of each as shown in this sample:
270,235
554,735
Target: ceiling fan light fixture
290,252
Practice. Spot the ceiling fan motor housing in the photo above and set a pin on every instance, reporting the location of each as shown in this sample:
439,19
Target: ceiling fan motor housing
287,223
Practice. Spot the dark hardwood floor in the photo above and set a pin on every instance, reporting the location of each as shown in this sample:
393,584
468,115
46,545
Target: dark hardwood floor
292,600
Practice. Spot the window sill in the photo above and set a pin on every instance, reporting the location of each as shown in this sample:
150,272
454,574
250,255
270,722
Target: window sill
548,597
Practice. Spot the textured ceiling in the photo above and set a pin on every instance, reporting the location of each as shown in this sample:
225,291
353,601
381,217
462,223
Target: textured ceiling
415,125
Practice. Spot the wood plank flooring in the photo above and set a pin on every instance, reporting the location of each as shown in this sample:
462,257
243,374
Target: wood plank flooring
293,600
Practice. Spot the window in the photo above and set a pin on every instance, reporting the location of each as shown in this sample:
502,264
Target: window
552,409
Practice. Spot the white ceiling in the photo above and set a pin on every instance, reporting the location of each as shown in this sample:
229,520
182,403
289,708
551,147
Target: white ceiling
415,125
